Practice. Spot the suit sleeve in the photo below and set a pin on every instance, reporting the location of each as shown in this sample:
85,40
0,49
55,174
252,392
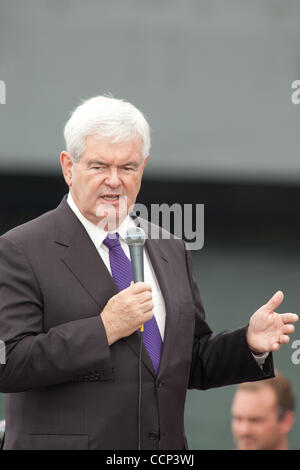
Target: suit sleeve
223,358
73,351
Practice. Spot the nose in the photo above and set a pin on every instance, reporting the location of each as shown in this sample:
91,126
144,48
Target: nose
244,427
112,179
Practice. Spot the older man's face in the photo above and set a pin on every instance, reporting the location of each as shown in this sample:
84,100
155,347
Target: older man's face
107,179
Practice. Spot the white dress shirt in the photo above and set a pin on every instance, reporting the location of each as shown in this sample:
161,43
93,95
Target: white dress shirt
97,235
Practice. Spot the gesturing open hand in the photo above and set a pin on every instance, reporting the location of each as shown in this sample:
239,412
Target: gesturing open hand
267,329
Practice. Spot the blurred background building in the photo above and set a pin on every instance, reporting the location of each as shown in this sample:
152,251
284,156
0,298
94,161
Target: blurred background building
214,80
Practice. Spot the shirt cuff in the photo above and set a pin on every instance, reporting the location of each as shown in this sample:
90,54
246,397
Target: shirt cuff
260,359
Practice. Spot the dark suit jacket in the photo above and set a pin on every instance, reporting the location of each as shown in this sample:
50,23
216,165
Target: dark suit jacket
65,387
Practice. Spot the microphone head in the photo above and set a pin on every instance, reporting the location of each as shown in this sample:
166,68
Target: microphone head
135,236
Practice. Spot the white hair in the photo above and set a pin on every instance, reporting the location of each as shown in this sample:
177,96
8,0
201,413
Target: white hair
105,117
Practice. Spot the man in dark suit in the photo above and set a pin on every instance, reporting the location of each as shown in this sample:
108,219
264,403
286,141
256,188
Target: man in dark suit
70,315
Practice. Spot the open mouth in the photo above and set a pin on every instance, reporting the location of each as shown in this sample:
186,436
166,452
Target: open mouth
111,206
110,197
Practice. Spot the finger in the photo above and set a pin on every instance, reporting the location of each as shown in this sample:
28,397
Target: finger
147,307
288,329
283,339
143,297
148,316
138,287
289,317
275,301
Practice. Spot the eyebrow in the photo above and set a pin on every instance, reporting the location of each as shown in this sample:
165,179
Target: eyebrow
100,162
95,162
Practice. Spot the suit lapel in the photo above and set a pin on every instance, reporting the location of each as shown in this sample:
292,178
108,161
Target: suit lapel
165,275
82,257
86,264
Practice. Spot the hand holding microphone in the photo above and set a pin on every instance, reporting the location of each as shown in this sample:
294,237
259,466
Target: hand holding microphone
135,238
127,311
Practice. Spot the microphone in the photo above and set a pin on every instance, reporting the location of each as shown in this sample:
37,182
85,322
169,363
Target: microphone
135,238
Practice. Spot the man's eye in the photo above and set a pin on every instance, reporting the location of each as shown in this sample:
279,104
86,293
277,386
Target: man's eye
128,168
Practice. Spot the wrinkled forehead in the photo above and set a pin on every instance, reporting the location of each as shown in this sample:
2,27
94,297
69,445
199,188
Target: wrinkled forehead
107,149
254,402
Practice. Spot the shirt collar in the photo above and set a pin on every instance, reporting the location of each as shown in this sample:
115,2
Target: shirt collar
97,234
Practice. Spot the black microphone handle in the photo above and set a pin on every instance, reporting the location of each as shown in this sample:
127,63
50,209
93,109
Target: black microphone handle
137,262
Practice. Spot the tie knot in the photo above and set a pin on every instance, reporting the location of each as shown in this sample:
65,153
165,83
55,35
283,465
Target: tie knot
112,240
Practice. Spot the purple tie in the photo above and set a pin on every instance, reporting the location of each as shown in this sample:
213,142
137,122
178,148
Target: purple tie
122,274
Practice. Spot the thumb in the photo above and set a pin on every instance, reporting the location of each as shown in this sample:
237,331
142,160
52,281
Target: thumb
275,301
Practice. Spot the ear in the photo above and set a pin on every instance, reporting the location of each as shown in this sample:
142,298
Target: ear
145,161
287,421
66,165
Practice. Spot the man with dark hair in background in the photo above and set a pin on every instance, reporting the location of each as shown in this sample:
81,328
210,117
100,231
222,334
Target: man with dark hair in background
263,414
